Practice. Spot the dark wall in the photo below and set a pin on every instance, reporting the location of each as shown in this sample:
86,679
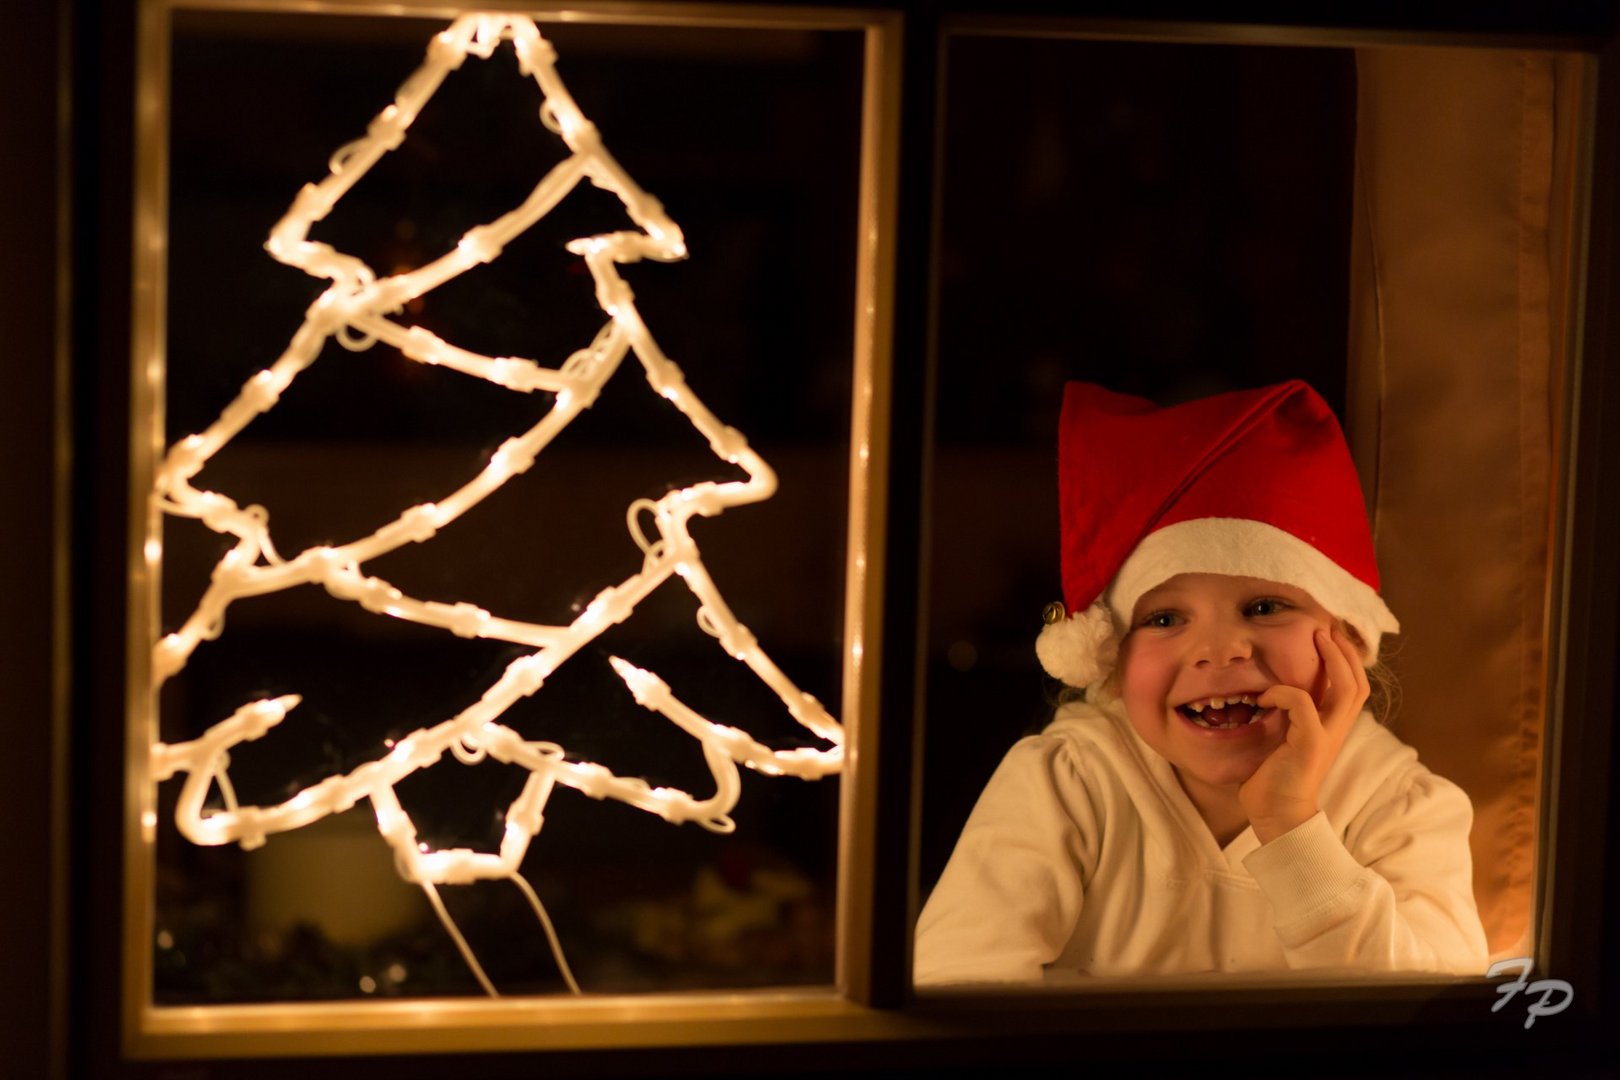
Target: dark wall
31,193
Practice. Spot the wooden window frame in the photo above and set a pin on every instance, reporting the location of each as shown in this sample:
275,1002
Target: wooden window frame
876,1019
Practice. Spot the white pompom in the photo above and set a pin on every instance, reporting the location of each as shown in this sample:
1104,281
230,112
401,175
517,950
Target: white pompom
1080,650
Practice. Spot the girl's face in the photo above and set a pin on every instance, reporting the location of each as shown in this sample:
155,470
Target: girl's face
1200,649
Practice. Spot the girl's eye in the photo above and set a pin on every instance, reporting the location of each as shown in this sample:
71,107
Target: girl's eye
1266,605
1161,619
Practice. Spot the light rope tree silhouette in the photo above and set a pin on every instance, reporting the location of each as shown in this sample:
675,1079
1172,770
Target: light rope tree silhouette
355,309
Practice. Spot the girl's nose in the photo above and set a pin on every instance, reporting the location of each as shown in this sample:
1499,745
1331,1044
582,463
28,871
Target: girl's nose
1222,645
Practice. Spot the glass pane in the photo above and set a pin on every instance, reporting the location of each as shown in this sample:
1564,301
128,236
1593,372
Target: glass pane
751,140
1172,220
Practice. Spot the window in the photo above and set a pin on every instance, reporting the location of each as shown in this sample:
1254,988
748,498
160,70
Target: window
187,295
1176,218
349,747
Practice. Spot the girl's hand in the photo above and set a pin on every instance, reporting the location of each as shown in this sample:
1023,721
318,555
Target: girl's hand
1281,794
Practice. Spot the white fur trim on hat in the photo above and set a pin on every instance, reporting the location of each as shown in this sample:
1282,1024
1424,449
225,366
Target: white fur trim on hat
1245,548
1081,649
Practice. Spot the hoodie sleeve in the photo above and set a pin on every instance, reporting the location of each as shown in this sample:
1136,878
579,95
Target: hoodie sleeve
1010,896
1393,893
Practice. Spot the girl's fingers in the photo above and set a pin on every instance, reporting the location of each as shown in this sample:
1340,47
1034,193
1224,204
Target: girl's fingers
1363,686
1334,670
1303,719
1288,698
1345,677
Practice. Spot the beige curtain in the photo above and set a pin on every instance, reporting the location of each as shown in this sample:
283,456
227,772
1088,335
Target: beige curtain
1459,275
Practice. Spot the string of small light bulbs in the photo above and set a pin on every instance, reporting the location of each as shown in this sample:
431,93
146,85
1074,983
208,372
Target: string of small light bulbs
355,310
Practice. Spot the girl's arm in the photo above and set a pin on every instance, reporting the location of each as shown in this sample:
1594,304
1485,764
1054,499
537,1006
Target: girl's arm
1010,896
1394,894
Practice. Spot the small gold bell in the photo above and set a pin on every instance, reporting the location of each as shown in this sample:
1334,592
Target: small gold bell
1054,613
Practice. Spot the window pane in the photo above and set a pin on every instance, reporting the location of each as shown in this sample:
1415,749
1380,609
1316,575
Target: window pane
751,139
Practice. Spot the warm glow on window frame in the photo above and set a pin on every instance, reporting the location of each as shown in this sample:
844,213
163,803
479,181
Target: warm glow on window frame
361,1026
1261,1001
866,1005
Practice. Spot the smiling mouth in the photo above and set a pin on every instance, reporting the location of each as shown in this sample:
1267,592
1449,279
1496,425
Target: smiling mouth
1222,713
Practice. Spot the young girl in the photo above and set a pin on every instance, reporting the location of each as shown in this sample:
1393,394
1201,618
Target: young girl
1219,800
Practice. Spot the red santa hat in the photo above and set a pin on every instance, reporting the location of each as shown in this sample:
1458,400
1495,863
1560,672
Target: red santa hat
1254,483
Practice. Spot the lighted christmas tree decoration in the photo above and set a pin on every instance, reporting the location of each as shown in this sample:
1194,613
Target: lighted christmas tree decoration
357,309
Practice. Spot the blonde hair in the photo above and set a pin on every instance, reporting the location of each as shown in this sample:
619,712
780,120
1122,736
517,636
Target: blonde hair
1384,692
